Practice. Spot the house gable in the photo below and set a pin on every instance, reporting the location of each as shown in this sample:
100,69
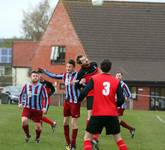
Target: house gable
60,31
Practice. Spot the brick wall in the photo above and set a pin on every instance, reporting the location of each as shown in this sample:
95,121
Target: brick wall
60,31
142,102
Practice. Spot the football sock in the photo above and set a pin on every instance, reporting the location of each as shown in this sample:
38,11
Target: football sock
121,145
87,121
47,120
125,125
96,137
66,133
87,145
38,133
74,136
26,129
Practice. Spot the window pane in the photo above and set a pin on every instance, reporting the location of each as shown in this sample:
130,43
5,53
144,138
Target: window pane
57,54
4,51
157,101
4,59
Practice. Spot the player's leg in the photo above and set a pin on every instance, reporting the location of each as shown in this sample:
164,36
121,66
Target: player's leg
52,123
75,112
120,142
113,127
124,124
25,126
95,126
87,141
66,132
129,127
38,130
37,119
67,114
74,123
89,110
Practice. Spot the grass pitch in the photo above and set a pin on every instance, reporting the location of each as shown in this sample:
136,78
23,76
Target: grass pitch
150,132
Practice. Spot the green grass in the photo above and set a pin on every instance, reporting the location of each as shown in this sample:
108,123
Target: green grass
150,133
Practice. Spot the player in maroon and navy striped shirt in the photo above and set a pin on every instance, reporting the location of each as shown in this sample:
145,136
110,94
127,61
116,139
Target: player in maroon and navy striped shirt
31,98
71,104
127,95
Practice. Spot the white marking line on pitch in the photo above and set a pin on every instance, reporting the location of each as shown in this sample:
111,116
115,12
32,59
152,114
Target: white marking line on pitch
160,119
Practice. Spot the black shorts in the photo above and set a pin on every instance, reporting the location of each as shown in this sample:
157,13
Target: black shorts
96,125
89,102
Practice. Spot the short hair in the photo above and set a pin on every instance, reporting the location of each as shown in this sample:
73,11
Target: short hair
119,72
72,62
78,61
106,65
34,71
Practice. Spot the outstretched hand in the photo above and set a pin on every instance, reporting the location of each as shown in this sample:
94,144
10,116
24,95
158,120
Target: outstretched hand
19,105
44,111
40,70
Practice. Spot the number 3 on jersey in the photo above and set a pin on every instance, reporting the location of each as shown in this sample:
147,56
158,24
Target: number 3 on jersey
106,89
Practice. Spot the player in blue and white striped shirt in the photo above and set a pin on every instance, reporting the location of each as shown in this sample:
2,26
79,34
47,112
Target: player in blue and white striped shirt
71,104
32,97
127,95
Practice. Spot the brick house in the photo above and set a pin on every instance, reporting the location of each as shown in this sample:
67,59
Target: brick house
21,62
131,34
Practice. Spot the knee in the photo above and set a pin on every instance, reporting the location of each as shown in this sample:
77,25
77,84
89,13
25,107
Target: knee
74,124
66,122
87,136
38,127
24,121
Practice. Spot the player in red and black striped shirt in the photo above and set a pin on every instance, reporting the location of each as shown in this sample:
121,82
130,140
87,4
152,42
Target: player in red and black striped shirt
104,110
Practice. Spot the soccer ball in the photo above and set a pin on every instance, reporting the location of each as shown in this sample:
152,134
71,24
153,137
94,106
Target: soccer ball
97,2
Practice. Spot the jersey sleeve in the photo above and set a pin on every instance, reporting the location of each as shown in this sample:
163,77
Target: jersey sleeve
86,90
21,97
120,96
45,97
53,75
126,91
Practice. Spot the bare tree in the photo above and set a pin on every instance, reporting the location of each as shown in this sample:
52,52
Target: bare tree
36,20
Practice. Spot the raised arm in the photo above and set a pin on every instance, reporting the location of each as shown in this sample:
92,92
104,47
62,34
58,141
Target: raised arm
51,75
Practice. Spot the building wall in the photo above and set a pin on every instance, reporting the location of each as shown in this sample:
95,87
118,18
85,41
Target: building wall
60,31
5,75
143,101
20,76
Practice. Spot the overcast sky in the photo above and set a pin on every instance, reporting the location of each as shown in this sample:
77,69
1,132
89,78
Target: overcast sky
11,14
